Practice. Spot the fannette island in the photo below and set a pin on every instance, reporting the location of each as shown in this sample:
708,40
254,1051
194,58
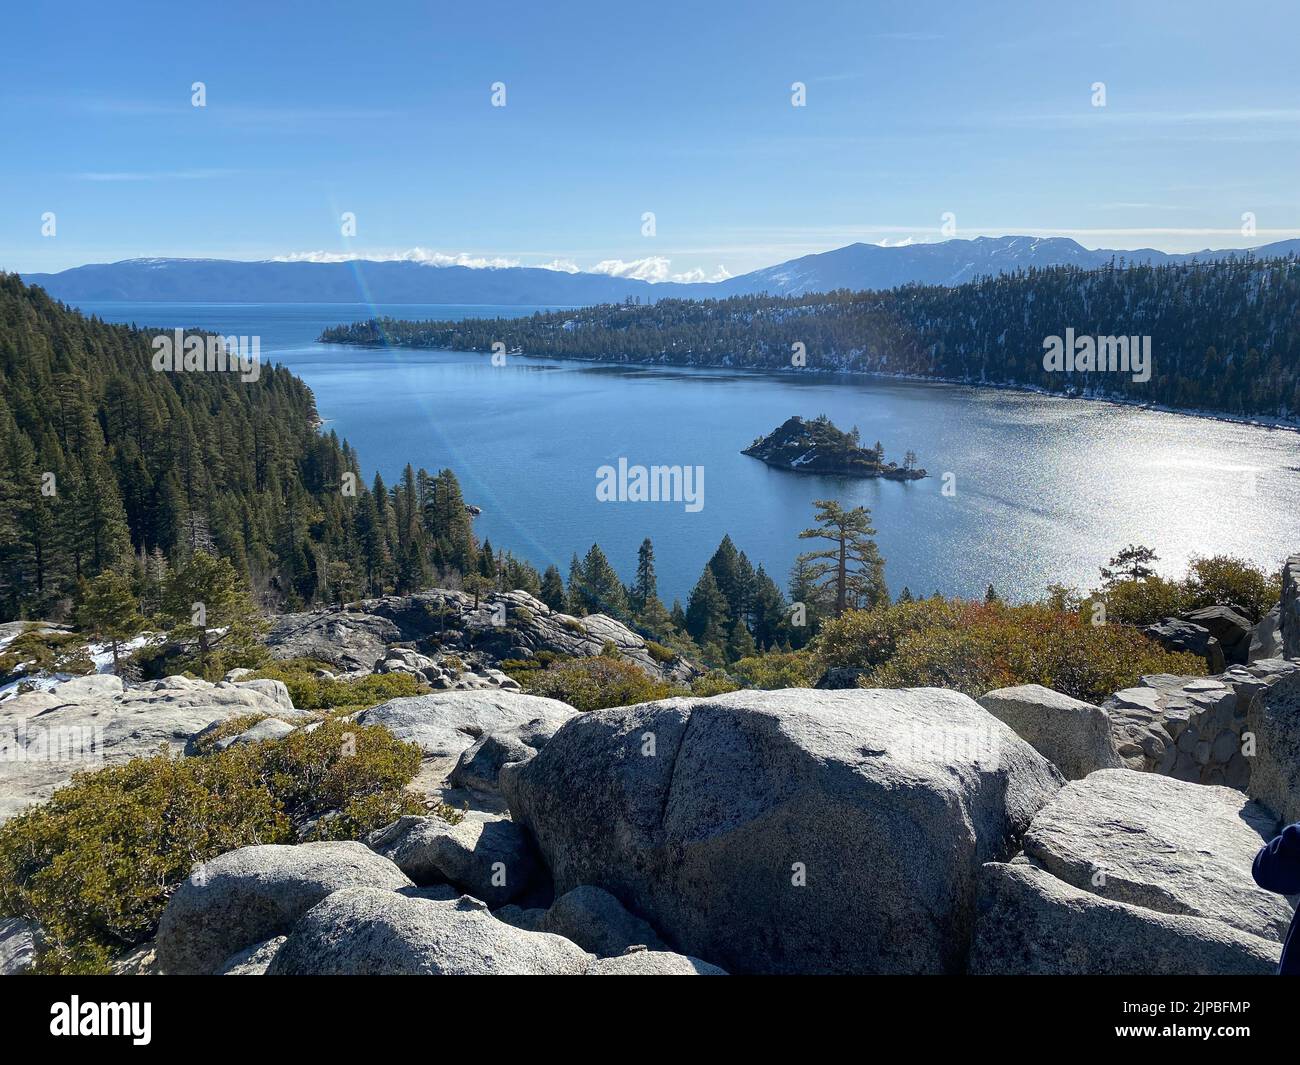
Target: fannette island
817,446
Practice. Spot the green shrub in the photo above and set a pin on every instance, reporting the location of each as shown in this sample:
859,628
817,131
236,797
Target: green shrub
777,669
598,683
1142,602
574,625
714,682
96,864
1223,579
864,639
994,646
661,654
342,695
524,614
34,651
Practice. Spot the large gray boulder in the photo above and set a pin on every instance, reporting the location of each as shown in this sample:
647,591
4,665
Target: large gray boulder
1289,611
254,960
19,939
253,894
479,765
1030,923
347,639
1161,844
1273,724
367,931
1266,636
445,723
1174,634
1226,625
1073,735
487,857
788,831
653,963
598,923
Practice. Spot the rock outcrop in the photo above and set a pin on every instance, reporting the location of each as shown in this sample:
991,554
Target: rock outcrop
1133,873
1032,924
599,923
442,625
1174,634
1073,735
1273,723
1289,609
652,963
1266,637
788,831
446,724
487,857
1161,844
93,721
1229,627
1193,728
19,939
254,960
253,894
369,931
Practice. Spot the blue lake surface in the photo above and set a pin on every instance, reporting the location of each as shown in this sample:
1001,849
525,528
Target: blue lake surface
1046,489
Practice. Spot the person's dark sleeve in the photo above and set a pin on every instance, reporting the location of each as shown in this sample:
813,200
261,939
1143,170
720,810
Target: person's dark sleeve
1277,865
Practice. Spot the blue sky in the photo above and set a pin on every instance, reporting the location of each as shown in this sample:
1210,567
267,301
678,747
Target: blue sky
612,110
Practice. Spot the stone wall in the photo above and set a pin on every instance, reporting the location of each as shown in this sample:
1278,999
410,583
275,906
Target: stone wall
1191,728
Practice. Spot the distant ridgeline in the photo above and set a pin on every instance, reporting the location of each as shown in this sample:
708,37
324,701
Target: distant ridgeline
819,447
108,463
1223,335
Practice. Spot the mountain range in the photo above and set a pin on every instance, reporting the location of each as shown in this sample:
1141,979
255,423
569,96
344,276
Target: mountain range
855,266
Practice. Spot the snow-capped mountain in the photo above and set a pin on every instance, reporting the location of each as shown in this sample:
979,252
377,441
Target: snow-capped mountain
856,266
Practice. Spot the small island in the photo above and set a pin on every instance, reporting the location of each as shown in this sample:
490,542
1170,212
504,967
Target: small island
817,446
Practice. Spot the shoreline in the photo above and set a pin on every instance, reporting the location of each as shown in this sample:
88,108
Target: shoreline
1283,425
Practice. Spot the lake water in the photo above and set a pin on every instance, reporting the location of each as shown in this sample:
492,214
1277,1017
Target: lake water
1046,489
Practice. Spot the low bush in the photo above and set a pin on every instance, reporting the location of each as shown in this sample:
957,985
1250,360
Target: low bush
714,682
35,651
341,695
1224,579
777,669
661,654
982,646
599,682
96,864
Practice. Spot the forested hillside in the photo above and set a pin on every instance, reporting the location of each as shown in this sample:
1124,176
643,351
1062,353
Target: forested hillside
1223,334
107,463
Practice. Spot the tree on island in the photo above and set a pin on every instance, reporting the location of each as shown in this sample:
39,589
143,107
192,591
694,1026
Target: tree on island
851,570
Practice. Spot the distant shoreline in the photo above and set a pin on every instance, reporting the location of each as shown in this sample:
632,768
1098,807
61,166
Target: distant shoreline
1284,425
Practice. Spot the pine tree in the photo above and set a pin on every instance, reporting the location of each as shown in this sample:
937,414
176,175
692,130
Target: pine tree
108,611
552,593
597,589
209,607
706,611
645,586
851,570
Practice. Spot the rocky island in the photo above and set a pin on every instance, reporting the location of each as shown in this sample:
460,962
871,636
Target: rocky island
817,446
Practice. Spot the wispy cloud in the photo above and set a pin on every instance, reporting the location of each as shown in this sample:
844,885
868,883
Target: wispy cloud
153,175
